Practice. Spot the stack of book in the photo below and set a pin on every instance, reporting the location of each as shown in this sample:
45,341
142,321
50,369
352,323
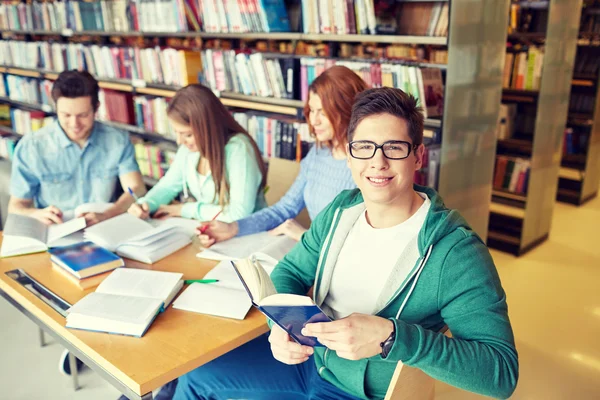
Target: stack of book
154,160
575,142
282,138
25,122
28,90
363,17
168,66
151,114
511,174
252,75
115,106
84,264
523,68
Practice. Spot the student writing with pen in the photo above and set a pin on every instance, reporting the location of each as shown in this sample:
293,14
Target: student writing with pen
74,160
218,163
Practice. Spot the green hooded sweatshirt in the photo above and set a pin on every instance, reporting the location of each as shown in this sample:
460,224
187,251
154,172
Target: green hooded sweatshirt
454,282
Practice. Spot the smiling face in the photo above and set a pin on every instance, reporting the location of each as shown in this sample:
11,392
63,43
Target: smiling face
319,121
76,117
381,180
185,135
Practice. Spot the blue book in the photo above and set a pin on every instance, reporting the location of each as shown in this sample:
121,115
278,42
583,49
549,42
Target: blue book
290,311
85,259
274,16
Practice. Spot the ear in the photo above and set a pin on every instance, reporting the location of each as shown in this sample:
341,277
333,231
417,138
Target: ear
419,155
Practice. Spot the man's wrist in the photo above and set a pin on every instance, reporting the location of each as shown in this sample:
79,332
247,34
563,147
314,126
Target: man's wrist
387,341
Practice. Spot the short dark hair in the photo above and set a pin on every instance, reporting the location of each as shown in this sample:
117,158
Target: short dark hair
73,84
388,101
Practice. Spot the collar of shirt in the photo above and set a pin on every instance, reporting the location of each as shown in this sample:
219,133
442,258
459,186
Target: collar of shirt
64,141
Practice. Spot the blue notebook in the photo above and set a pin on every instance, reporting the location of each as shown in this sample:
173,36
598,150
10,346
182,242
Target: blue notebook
85,259
290,311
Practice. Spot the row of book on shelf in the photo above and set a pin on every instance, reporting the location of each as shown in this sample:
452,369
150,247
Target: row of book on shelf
152,65
229,16
528,18
511,174
587,62
258,74
523,67
223,70
375,17
582,103
146,16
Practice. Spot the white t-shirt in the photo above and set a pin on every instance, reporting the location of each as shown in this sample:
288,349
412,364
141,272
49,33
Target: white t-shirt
366,260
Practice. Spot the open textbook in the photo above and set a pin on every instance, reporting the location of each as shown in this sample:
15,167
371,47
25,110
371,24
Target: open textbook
24,235
126,302
268,249
137,239
233,296
290,311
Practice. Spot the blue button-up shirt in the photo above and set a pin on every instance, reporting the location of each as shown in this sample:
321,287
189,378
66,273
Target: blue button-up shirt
52,170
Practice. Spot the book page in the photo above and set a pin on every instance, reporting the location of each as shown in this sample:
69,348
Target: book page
140,283
238,247
256,279
274,251
58,231
86,208
117,308
214,300
23,226
186,225
154,249
112,232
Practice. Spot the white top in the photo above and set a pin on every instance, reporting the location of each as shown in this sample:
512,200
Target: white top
366,260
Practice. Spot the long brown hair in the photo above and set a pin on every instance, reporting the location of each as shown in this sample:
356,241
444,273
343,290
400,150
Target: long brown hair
336,87
212,125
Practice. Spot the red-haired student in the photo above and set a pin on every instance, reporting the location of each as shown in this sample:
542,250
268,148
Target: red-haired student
323,172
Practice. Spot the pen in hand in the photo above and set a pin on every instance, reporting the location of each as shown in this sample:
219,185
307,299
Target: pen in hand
132,194
188,281
205,227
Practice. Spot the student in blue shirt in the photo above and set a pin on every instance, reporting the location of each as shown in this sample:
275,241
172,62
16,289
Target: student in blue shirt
218,163
74,160
323,172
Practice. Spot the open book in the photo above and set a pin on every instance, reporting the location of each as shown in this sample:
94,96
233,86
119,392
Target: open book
126,302
137,239
86,208
290,311
25,235
268,249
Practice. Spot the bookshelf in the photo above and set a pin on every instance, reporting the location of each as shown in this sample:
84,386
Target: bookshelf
580,173
528,157
472,77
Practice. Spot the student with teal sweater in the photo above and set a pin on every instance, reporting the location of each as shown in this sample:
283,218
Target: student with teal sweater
218,164
391,265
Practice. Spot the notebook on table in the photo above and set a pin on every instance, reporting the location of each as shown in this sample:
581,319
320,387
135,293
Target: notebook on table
24,235
126,302
137,239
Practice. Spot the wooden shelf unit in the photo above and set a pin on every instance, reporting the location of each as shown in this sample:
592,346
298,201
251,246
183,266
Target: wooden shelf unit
518,222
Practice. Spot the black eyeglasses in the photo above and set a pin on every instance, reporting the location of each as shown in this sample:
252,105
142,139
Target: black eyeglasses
392,149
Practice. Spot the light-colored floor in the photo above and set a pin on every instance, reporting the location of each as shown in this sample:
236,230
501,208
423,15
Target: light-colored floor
554,305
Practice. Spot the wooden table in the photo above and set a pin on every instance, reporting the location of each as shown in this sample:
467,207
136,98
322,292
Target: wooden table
176,343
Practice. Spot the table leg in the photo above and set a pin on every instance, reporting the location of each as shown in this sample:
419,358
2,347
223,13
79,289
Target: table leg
42,338
74,374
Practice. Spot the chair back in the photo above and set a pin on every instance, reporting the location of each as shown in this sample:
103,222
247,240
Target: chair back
280,176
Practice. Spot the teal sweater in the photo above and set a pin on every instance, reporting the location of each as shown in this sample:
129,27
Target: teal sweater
454,283
241,170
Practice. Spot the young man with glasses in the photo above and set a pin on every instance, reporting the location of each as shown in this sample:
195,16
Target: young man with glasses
392,266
